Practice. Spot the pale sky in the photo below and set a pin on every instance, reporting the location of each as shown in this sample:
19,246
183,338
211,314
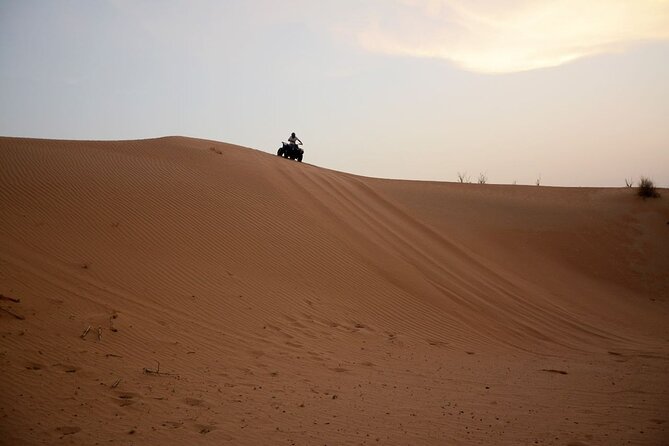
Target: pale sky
573,92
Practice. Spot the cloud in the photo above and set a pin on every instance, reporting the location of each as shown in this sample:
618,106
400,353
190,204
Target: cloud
513,35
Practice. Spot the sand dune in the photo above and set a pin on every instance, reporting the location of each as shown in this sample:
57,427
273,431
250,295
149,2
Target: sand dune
234,297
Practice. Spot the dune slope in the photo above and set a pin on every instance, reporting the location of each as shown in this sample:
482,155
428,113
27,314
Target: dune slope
180,291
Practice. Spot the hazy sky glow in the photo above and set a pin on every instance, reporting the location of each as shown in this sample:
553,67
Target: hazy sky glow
573,92
512,35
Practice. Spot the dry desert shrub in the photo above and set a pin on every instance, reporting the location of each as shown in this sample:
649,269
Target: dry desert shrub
647,188
463,177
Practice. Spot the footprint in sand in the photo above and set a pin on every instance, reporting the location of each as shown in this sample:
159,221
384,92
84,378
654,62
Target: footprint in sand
561,372
66,368
34,366
126,398
193,402
204,428
68,430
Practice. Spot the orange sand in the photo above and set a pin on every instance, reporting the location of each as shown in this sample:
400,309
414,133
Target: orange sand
245,299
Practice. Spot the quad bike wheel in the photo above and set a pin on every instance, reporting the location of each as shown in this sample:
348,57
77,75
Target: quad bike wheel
284,152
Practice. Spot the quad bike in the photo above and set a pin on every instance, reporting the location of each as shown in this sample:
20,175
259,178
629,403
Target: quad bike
290,151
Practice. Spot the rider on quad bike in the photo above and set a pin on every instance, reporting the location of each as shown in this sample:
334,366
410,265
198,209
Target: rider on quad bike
291,150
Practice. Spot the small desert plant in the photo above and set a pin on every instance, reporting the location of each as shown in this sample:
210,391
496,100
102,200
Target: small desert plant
629,183
463,177
647,188
482,178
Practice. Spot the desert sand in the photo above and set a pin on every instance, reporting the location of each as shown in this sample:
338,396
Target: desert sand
179,291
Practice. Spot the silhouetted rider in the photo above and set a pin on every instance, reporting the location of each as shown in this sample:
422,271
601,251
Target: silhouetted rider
294,139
